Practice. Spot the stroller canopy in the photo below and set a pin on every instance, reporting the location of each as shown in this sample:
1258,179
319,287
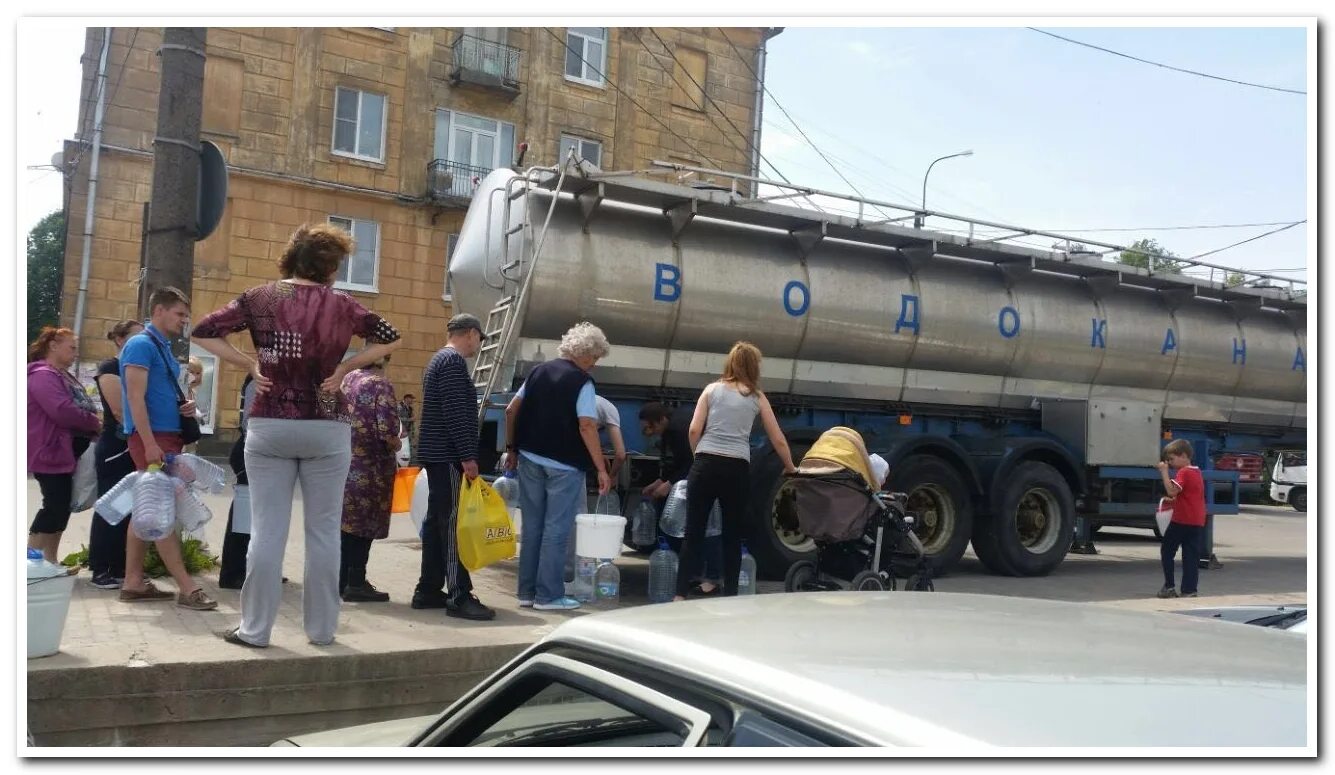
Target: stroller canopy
839,448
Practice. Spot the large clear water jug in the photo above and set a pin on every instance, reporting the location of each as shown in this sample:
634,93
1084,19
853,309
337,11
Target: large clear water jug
195,470
582,589
714,526
746,578
154,505
644,528
191,511
118,502
673,521
607,584
662,573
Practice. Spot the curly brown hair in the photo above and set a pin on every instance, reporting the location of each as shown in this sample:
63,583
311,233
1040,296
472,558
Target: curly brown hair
42,344
315,252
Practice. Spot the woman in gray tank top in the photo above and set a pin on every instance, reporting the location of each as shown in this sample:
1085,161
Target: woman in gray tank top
721,438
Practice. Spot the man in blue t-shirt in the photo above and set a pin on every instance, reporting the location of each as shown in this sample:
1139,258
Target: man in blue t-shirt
149,379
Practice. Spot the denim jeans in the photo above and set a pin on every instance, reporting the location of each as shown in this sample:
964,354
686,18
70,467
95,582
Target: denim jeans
549,499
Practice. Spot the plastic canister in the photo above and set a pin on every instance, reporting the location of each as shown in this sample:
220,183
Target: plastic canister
599,535
49,589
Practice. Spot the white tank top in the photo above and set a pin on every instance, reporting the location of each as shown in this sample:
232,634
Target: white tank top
728,426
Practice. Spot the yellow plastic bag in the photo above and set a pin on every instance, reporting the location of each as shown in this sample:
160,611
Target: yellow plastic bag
485,533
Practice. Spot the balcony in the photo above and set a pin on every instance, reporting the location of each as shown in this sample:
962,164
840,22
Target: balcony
487,64
450,182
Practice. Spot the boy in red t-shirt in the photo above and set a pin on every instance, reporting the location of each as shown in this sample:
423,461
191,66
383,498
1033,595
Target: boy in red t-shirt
1187,493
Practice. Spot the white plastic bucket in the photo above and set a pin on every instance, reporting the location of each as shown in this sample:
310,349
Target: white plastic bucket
418,508
49,591
599,535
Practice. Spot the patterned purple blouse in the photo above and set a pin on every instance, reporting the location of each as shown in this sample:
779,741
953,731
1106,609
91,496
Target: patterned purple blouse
301,332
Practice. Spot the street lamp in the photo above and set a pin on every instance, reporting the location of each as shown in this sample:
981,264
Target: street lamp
918,221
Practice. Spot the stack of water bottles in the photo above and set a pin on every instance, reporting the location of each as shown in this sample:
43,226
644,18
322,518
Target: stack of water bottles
163,496
596,579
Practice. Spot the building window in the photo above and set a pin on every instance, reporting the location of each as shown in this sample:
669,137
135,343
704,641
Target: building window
586,54
688,90
358,271
471,147
359,124
450,241
589,150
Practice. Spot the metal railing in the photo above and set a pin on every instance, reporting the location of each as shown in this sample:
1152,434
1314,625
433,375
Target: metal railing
488,57
447,179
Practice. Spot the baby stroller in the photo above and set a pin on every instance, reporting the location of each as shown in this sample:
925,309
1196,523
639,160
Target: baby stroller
862,536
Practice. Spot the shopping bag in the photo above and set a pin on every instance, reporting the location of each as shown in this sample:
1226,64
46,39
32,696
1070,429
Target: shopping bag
484,530
1164,515
404,479
85,481
404,455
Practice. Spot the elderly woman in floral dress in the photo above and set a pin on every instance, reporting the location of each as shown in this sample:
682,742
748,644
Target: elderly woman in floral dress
370,403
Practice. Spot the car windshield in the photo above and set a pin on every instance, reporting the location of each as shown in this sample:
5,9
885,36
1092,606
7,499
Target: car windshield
561,715
1293,460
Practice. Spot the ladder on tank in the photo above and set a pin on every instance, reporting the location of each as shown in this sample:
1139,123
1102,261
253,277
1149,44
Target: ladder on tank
504,319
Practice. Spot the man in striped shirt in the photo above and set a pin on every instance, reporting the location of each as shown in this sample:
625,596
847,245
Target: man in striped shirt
447,448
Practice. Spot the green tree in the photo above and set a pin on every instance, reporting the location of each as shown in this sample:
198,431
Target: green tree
46,264
1234,279
1138,255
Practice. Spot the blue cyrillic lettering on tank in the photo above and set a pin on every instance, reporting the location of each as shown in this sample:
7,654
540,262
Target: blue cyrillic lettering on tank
667,282
1300,361
1097,338
1169,342
1008,322
908,314
796,310
1240,351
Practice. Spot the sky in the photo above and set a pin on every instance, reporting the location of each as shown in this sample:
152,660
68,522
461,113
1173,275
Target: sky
1065,138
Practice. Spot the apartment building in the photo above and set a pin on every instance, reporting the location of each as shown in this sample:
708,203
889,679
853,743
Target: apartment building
385,131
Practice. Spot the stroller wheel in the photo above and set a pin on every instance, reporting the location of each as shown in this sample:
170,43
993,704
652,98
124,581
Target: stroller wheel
799,576
919,582
867,581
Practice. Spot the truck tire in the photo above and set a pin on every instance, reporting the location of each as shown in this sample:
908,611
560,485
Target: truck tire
1298,499
775,549
1033,520
943,510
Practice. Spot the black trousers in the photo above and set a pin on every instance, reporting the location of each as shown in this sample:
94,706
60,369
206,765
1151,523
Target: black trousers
57,492
727,480
235,545
1188,538
106,543
356,551
440,548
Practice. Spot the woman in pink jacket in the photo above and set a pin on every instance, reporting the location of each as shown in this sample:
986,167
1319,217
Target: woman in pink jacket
62,422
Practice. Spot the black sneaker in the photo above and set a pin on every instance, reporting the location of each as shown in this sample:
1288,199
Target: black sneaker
230,583
429,600
105,580
469,607
364,593
1167,592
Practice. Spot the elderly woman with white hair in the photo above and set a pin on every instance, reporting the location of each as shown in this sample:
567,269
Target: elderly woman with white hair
551,437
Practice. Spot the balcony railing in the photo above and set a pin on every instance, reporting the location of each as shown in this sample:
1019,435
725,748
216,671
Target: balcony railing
447,180
486,63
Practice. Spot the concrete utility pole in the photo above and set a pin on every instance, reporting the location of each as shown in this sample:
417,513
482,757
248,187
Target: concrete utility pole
169,241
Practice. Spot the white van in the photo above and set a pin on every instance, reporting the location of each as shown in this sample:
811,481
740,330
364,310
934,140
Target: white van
1288,481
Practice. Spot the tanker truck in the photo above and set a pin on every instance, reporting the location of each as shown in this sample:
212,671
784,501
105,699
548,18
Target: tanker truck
1020,395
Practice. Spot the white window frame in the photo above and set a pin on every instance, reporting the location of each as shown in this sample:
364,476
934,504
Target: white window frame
348,224
451,242
599,80
333,130
499,147
580,143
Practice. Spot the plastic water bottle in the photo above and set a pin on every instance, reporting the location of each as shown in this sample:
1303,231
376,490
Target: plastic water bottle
715,524
195,470
662,573
118,502
746,578
508,488
607,584
585,568
190,510
154,505
673,522
644,529
608,504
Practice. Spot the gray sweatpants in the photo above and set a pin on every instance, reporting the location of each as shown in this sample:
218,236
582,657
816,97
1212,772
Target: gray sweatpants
280,453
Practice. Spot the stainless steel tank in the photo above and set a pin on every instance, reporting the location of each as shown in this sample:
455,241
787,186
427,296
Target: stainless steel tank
860,321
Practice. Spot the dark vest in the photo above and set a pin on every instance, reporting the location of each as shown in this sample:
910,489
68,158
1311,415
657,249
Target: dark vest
547,424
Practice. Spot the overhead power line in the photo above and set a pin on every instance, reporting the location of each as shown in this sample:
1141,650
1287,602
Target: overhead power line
633,101
1180,228
1244,242
1166,67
